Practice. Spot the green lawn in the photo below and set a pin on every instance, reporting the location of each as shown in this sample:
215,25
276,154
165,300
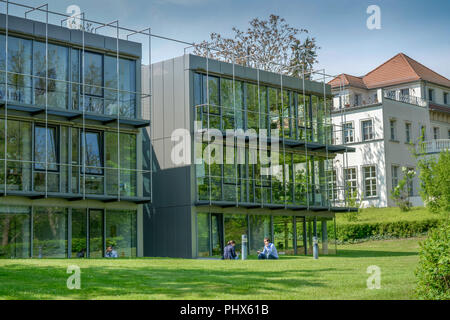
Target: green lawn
390,214
332,277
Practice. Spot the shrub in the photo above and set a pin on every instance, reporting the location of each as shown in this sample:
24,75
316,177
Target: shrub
433,272
395,229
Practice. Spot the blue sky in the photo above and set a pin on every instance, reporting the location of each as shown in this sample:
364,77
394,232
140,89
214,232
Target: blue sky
420,29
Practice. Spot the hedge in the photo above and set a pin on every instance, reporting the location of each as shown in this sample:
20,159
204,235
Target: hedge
396,229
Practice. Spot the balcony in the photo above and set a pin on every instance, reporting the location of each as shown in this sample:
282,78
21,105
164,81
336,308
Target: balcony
435,146
353,101
396,96
74,182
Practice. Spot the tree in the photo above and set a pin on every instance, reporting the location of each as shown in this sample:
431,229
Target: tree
270,45
435,182
401,193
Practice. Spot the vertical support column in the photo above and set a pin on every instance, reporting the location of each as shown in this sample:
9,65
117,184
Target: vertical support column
118,113
208,129
46,101
305,234
150,93
259,144
306,124
324,237
83,105
69,233
236,142
283,176
5,171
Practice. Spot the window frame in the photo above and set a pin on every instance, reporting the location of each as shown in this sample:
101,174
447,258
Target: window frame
436,133
372,133
57,147
351,130
101,150
366,179
430,94
397,177
408,137
355,180
393,129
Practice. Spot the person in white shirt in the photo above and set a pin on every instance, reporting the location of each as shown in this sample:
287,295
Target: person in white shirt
269,252
110,252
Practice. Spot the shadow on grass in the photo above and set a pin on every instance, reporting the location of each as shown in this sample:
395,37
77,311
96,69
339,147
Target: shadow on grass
20,281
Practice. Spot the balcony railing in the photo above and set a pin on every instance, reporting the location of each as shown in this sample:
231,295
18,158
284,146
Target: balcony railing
350,101
393,95
435,146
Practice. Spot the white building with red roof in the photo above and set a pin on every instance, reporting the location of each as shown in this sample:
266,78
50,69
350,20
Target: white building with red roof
383,114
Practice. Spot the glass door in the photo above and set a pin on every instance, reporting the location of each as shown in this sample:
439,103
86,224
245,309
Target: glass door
96,243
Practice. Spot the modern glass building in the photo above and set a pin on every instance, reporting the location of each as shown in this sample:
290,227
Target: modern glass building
246,115
74,142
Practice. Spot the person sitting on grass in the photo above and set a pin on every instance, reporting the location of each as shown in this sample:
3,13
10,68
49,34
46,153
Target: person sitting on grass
229,251
110,252
269,252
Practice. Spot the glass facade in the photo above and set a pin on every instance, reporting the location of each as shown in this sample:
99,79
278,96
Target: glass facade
299,178
35,151
291,235
52,232
30,82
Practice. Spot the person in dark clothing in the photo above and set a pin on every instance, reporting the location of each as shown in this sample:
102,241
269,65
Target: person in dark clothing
229,251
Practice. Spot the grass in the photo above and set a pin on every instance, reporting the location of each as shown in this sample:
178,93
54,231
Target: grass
391,214
331,277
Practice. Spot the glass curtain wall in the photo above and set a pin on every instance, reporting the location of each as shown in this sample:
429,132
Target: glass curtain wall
49,232
15,232
298,179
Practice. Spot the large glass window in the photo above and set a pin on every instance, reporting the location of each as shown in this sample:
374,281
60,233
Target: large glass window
14,232
127,163
260,227
92,152
18,154
45,148
235,226
283,234
127,86
96,232
93,82
49,232
121,232
19,68
58,74
79,233
203,235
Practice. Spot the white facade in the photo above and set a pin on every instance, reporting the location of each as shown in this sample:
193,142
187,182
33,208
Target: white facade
381,125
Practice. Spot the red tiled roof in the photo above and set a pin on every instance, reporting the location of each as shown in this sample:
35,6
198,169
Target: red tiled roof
398,69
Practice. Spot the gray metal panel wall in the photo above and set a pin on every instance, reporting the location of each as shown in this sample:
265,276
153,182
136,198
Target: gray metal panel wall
167,224
224,68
